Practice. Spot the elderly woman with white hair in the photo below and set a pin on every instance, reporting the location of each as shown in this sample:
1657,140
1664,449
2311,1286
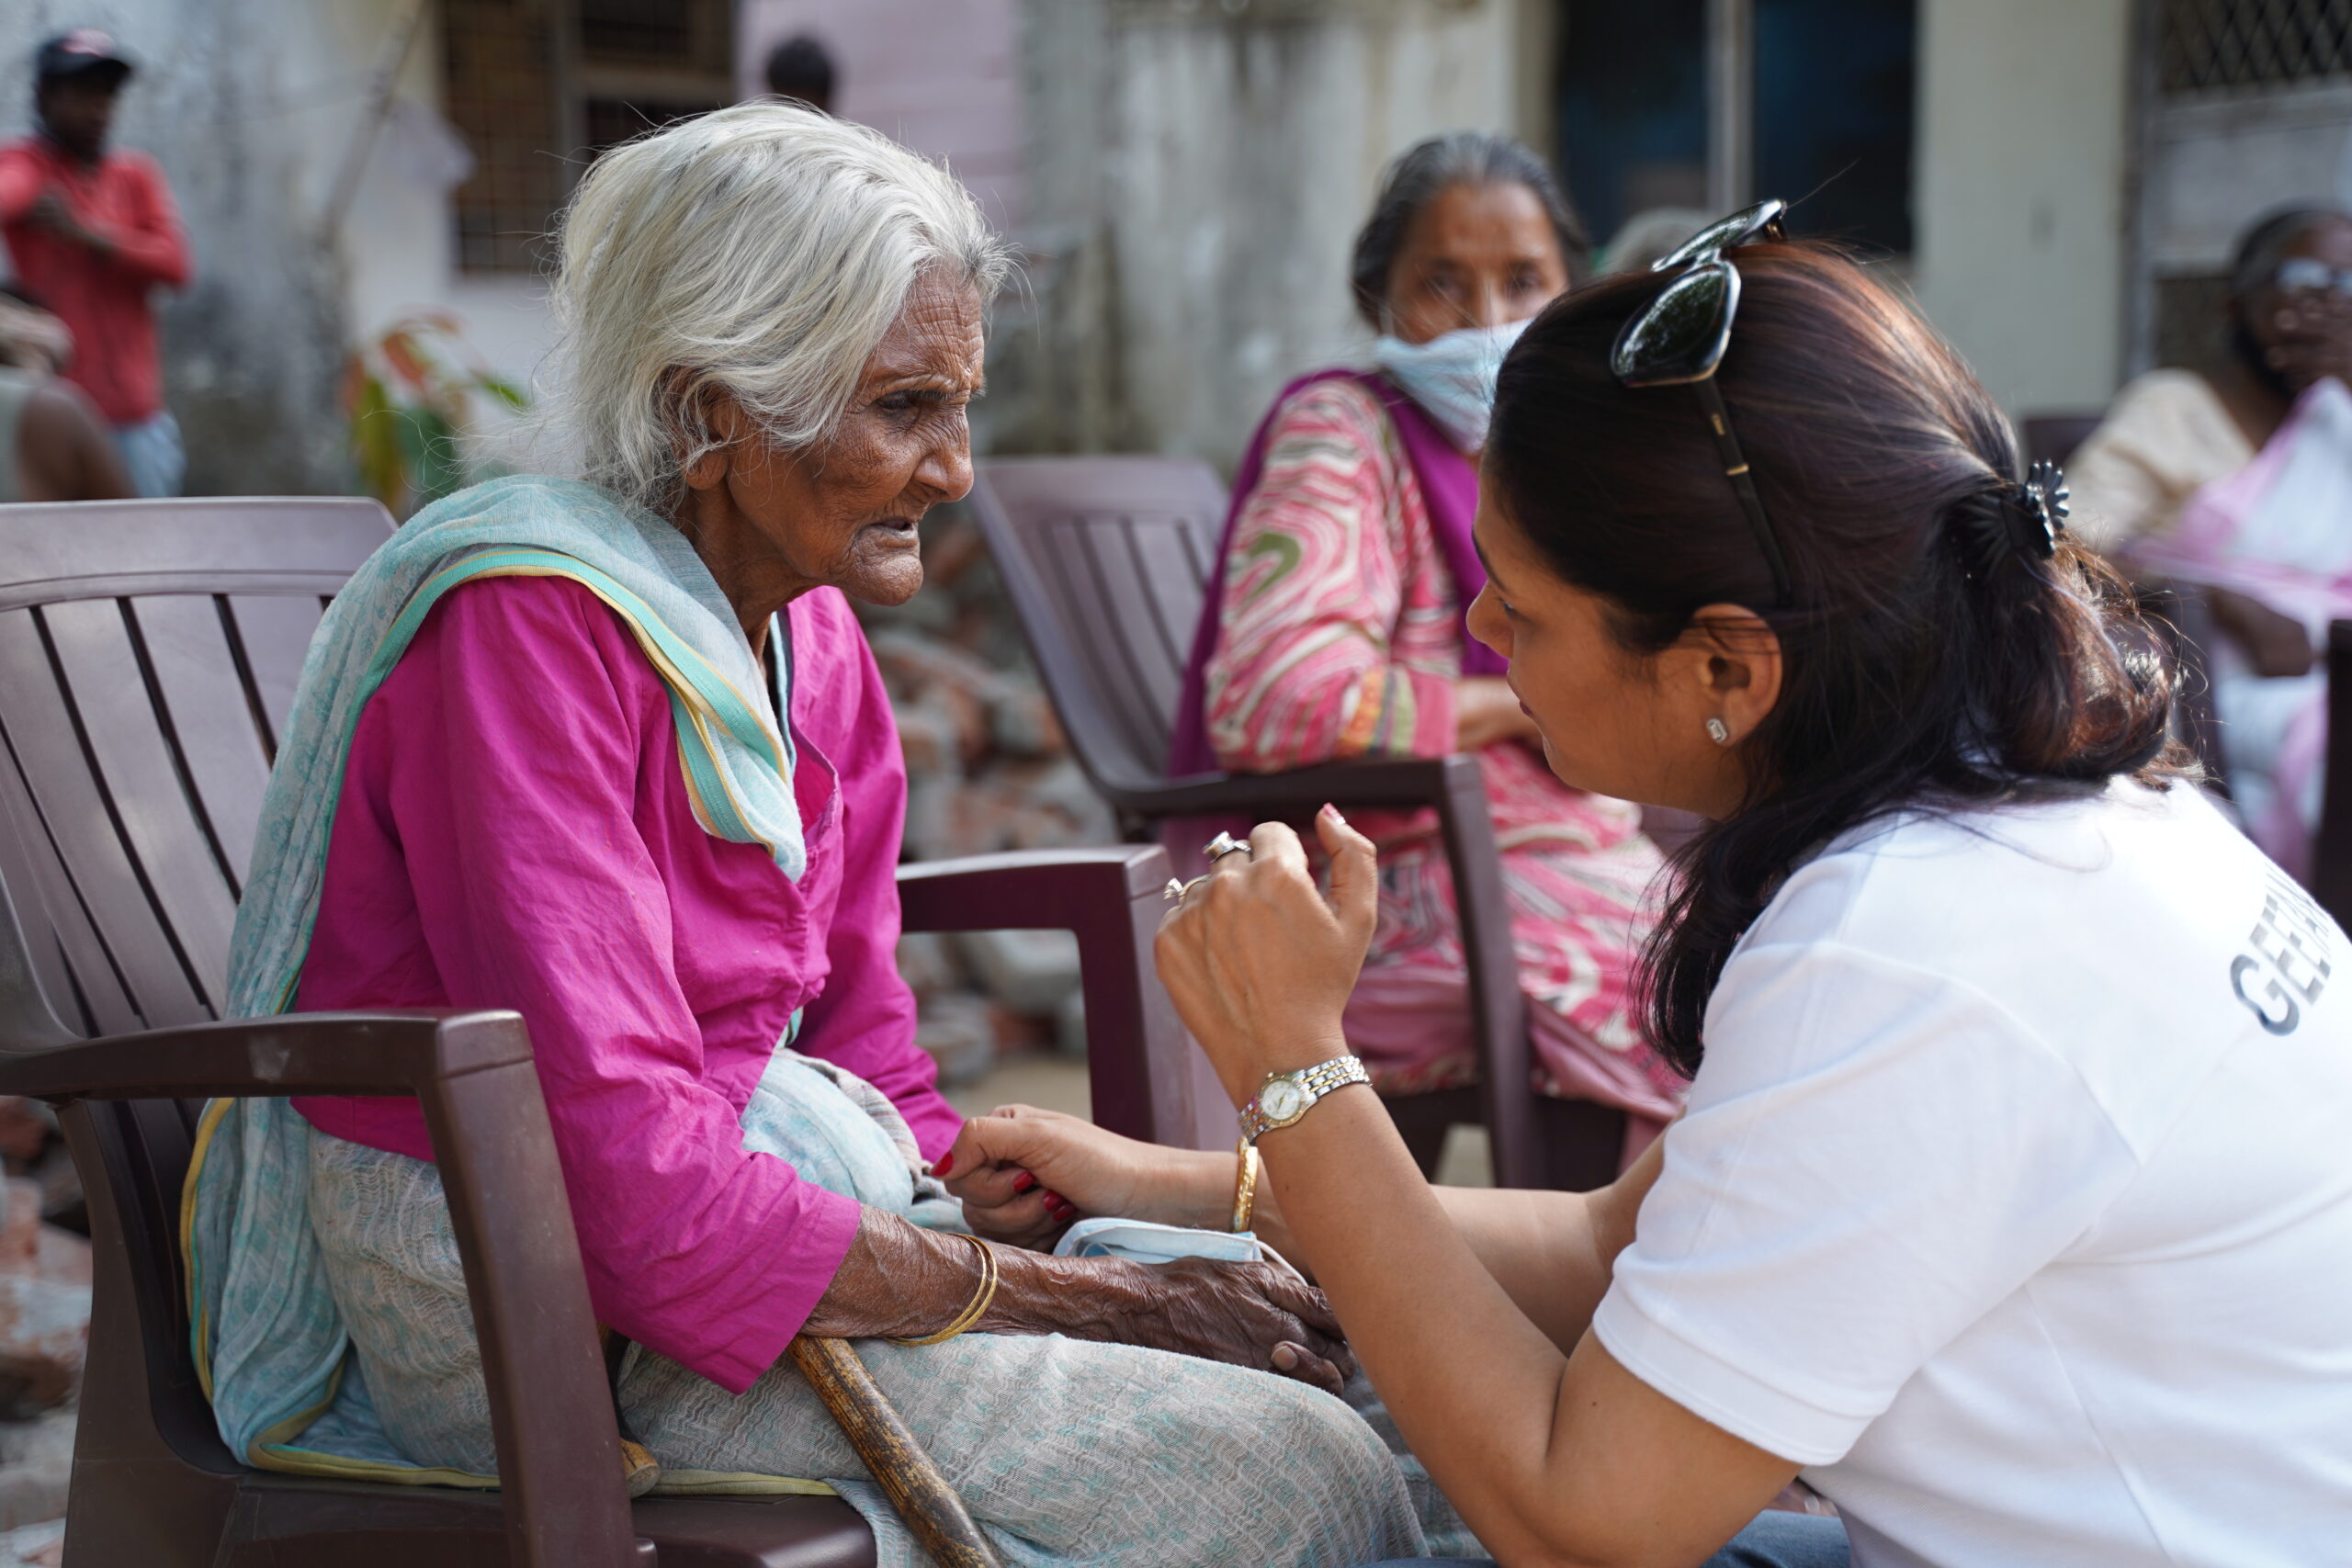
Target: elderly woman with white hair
610,750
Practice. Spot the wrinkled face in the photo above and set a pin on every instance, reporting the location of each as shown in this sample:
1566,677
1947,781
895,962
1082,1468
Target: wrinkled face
1475,257
2297,320
79,110
844,514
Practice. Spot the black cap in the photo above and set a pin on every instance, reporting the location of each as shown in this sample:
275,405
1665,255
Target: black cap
80,51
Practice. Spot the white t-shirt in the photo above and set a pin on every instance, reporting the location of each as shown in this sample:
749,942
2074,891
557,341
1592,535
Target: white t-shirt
2014,1196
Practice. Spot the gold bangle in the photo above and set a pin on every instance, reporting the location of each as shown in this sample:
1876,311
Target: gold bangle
981,1298
1245,1184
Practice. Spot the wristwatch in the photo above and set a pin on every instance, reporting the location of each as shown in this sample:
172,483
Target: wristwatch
1283,1098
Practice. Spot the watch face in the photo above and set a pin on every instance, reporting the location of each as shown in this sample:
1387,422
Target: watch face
1282,1099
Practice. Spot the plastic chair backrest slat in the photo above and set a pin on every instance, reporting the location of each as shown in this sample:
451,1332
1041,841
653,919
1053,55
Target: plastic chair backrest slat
1105,559
148,656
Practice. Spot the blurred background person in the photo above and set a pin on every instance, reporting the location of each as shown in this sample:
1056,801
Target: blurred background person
802,67
53,445
31,337
1334,631
2239,481
2171,432
1647,236
2241,486
93,233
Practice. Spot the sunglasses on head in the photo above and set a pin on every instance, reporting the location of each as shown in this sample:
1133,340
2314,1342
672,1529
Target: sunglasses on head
1680,338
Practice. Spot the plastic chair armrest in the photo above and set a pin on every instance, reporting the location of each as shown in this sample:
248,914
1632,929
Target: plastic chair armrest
1456,786
559,1455
1137,1056
1395,782
325,1053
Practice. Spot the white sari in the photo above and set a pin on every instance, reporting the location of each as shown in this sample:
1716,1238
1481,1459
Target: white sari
2279,531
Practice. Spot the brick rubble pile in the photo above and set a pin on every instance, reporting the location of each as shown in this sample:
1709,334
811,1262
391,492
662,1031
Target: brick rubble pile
988,770
44,1331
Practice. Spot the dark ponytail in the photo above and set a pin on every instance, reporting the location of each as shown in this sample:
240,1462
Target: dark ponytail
1943,649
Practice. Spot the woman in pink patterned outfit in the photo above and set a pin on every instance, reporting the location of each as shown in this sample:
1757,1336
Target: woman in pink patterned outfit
1334,632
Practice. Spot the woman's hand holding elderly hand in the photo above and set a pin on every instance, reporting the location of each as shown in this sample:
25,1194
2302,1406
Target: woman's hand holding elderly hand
1249,1315
1025,1174
1261,962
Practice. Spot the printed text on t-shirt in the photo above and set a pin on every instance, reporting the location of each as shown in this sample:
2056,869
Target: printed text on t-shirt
2289,964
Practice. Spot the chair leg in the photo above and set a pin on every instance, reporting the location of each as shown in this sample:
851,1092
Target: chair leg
1422,1119
1579,1142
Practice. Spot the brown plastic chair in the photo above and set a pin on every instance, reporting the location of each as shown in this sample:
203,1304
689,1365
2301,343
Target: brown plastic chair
2330,878
148,657
2053,437
1106,560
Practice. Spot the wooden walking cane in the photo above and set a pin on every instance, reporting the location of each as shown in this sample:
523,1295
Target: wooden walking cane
906,1474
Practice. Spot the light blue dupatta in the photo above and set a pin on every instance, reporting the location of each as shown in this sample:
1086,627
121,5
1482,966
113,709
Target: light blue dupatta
270,1346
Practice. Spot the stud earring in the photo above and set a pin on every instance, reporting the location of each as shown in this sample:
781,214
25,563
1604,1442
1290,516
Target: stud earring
1719,732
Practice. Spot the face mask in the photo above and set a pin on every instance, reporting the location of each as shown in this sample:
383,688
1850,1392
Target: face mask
1451,376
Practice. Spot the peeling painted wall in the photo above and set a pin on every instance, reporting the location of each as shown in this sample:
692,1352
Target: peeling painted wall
1197,177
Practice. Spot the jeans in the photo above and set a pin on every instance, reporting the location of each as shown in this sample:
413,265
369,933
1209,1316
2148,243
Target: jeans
152,455
1773,1541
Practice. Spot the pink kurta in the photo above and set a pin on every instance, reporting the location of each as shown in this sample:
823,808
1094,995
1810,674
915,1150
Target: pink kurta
1342,638
514,831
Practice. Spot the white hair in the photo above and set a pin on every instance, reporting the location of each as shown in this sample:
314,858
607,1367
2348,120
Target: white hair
764,249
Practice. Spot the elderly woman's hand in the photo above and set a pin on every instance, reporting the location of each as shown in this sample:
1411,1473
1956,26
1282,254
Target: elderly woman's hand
1246,1315
898,1280
1259,962
1240,1312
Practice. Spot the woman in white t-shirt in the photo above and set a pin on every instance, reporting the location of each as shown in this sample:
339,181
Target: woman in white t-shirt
2012,1208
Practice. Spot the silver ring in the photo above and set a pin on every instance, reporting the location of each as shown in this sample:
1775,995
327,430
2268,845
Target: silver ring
1174,892
1224,845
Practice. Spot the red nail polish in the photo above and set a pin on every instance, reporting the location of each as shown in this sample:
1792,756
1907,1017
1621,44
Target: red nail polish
944,1163
1023,1182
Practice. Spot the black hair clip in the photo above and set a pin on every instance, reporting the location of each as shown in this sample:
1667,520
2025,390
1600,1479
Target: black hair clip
2037,511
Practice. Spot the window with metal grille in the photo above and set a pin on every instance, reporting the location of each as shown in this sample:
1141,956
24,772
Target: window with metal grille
502,96
2207,44
637,29
539,87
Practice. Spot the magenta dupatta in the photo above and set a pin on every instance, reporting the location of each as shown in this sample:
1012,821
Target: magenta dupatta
1449,485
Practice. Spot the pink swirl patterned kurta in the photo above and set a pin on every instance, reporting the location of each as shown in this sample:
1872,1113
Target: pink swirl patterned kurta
1342,638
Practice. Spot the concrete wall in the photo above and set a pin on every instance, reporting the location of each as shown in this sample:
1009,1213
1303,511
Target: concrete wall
940,79
248,137
1196,176
2024,138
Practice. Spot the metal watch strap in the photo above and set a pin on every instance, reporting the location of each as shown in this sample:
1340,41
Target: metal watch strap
1318,1080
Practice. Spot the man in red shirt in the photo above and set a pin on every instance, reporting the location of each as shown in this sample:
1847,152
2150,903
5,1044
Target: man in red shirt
93,233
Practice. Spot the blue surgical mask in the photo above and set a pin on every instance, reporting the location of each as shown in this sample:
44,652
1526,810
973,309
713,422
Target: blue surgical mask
1452,377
